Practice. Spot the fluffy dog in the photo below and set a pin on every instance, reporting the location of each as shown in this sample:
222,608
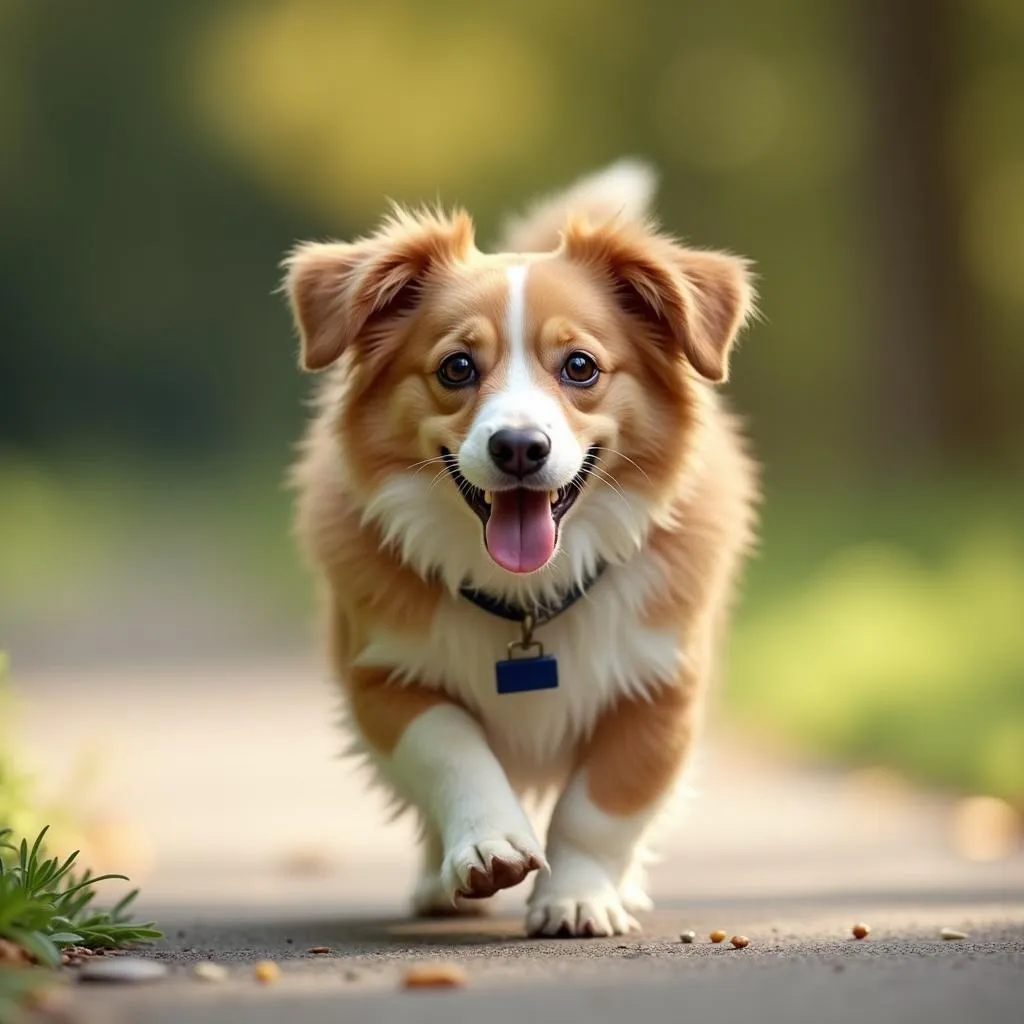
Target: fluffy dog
527,505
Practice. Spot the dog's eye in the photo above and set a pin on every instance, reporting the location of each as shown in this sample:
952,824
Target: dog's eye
580,369
457,371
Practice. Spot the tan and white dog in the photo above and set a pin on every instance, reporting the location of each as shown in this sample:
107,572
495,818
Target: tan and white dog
522,448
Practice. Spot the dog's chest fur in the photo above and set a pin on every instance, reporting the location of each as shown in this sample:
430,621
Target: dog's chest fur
603,649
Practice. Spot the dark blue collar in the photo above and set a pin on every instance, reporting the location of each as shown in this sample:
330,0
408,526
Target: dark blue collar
540,613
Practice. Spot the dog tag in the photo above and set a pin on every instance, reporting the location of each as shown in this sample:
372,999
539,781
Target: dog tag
533,672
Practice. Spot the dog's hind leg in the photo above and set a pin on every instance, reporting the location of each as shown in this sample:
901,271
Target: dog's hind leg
628,770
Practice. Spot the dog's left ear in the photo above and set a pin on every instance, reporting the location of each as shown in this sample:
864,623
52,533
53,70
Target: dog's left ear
722,301
340,291
695,299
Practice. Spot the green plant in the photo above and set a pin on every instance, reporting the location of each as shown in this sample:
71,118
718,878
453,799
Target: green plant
45,905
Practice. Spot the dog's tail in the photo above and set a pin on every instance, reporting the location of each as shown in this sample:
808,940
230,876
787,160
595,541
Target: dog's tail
622,189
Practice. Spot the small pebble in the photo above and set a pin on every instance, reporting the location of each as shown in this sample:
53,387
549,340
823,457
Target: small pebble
131,970
688,937
266,972
740,941
952,934
207,971
436,976
861,931
717,936
319,949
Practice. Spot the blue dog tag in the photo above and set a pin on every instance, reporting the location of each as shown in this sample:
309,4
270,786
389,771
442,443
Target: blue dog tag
521,675
533,670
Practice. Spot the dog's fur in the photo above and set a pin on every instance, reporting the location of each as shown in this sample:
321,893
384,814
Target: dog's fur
668,507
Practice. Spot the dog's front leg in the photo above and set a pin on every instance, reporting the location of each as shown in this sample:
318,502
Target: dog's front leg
627,769
436,756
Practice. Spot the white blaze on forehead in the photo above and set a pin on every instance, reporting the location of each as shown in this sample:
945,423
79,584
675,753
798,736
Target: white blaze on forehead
519,367
519,400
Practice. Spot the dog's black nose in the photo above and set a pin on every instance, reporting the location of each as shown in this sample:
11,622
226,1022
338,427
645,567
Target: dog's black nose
519,452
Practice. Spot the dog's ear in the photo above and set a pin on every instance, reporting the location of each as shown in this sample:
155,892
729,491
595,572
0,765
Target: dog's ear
723,299
695,300
339,291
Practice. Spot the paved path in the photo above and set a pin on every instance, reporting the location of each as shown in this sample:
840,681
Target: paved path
217,788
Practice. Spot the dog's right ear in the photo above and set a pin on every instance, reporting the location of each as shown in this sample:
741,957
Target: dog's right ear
339,291
695,301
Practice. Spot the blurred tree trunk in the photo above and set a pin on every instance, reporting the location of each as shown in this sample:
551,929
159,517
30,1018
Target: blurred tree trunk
929,362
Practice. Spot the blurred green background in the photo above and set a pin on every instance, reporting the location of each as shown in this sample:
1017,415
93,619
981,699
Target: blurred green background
157,159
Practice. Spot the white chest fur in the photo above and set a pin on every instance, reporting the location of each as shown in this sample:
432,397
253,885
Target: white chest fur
603,651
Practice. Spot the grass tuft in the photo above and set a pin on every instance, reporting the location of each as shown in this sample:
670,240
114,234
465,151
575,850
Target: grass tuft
46,905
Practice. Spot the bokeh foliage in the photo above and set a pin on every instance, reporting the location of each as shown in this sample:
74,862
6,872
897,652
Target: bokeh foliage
157,159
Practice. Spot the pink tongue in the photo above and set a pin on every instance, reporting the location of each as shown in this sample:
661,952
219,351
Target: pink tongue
520,531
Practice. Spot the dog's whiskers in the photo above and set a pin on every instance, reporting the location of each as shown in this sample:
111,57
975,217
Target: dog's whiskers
607,478
622,455
440,476
416,467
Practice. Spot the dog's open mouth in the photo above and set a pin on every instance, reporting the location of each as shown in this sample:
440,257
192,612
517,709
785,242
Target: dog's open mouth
520,523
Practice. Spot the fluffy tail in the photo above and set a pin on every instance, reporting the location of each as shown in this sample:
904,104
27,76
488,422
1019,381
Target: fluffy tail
623,189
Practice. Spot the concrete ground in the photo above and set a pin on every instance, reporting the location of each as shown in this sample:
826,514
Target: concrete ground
217,787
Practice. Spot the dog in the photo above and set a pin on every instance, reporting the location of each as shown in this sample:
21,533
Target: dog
527,506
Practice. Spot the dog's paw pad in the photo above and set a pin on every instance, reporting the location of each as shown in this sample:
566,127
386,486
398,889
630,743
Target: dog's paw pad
589,917
477,870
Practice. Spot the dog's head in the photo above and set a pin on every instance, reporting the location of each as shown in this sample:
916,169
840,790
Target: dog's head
531,384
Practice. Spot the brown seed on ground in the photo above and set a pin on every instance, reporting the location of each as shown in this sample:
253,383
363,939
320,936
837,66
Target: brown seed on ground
319,949
740,941
435,976
84,951
717,936
861,930
266,972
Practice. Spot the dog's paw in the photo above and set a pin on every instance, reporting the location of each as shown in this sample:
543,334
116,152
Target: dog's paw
476,870
579,897
590,915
